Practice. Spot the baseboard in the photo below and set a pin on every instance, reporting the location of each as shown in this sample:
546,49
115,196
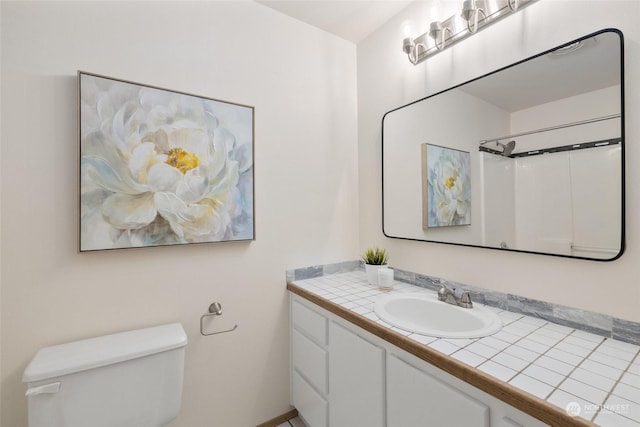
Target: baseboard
275,422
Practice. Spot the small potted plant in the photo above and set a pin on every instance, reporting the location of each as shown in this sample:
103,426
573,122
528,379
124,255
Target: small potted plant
374,259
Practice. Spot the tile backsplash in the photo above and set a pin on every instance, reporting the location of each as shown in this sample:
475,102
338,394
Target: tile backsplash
596,323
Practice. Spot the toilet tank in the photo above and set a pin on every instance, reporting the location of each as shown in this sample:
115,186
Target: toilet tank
128,379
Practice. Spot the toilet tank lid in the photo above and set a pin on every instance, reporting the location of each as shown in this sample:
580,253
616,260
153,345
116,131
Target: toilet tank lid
77,356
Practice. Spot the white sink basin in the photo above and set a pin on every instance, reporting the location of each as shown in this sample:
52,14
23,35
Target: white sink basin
424,314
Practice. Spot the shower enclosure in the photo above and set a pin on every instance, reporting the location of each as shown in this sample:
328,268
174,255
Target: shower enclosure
553,191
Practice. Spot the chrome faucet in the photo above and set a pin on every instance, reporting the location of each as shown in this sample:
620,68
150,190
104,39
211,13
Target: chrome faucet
454,296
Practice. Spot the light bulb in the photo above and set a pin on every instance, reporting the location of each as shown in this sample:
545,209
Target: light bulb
406,29
434,11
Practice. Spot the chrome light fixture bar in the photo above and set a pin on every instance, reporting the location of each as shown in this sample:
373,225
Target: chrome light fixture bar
477,14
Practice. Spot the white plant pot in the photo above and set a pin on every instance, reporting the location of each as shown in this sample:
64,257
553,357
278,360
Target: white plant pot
372,273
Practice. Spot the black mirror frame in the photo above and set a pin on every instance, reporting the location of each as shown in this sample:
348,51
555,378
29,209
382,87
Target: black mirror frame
622,146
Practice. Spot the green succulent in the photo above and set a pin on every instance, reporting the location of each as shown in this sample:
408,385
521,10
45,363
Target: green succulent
375,256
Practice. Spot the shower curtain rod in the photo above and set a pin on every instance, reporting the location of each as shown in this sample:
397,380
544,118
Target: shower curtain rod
583,122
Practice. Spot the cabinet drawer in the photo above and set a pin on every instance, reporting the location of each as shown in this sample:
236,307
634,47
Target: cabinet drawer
310,360
312,324
310,405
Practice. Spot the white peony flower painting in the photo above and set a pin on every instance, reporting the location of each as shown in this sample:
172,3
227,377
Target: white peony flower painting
159,167
447,184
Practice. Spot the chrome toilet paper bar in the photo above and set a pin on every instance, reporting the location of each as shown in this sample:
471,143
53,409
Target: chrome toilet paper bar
215,309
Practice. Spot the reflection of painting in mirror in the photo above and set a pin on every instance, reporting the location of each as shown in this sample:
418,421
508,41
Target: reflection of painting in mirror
545,138
446,186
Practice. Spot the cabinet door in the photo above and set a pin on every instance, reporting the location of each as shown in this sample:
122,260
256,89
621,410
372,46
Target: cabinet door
356,380
416,398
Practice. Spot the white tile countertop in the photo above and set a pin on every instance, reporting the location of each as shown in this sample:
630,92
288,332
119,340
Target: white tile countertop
572,369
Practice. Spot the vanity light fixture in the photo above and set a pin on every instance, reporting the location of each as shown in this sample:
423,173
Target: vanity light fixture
471,12
437,31
477,14
413,49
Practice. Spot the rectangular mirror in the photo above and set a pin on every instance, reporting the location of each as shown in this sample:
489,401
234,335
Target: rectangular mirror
528,158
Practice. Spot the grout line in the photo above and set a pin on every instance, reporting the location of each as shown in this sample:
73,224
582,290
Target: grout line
537,358
521,371
624,371
517,341
576,367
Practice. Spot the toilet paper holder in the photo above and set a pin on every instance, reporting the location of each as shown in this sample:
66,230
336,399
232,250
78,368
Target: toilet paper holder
215,309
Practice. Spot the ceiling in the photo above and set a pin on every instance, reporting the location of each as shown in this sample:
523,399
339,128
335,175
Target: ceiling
351,20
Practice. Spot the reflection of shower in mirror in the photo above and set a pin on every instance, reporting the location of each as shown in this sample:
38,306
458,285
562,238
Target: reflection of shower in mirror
507,148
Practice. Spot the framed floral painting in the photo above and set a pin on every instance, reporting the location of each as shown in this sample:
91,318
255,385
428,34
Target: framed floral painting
446,187
160,167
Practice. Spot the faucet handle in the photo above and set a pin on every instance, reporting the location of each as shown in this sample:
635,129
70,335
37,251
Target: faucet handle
444,288
443,284
465,298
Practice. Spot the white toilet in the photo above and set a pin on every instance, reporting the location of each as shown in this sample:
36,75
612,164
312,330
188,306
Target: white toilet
129,379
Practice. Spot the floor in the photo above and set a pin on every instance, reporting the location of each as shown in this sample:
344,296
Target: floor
296,422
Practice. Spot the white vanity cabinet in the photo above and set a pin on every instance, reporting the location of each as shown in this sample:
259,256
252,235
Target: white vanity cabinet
309,364
337,377
344,376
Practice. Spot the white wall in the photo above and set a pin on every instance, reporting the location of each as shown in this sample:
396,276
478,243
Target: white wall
387,80
302,83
